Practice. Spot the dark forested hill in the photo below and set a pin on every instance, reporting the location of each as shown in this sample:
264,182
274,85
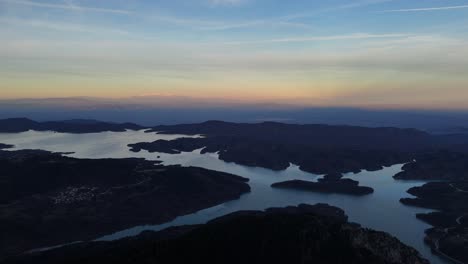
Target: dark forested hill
311,134
47,199
316,148
304,234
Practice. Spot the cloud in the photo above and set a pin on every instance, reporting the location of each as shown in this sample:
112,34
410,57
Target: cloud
356,4
427,9
219,26
69,5
197,24
215,25
61,26
226,2
408,53
286,20
363,3
355,36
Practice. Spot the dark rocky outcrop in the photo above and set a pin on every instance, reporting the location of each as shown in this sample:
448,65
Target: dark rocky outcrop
303,234
47,199
343,186
16,125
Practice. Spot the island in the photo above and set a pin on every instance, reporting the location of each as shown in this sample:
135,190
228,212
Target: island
341,186
47,199
304,234
448,194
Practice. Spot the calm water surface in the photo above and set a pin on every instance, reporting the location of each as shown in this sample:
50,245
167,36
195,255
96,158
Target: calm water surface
380,211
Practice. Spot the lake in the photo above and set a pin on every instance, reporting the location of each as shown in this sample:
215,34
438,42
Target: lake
381,210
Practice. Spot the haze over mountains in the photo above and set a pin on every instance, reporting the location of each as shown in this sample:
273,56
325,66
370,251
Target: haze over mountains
167,110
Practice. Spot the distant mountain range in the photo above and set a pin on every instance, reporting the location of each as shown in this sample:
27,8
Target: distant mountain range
169,110
308,134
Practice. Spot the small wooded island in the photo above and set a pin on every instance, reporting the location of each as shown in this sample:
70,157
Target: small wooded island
326,185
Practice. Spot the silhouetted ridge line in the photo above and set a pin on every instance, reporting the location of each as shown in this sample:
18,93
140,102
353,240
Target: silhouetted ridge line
16,125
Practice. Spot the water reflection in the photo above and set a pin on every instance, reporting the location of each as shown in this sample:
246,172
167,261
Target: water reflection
380,210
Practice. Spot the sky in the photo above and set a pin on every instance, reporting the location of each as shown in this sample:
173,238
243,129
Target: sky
363,53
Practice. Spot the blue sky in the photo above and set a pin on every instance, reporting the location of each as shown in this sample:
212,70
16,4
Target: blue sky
383,53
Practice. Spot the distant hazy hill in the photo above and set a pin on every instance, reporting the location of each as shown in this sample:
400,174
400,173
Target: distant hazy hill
169,110
14,125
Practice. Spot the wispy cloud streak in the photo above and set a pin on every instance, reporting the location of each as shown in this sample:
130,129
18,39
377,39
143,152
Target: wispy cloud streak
356,36
357,4
60,26
363,3
427,9
67,7
207,25
226,2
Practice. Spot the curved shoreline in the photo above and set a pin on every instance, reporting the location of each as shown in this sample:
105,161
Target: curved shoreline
257,176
